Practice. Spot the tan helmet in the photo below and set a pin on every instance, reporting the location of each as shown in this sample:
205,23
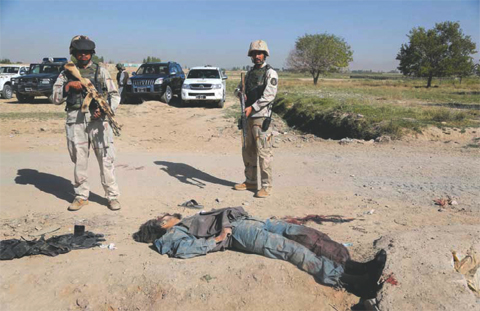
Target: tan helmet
258,45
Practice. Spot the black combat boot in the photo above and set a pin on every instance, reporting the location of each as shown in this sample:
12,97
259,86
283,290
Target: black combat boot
361,279
374,267
362,286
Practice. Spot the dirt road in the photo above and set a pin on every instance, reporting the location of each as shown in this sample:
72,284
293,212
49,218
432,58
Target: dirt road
170,154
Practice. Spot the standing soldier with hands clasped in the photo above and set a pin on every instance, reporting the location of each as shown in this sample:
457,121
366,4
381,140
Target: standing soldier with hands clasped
260,90
122,77
90,127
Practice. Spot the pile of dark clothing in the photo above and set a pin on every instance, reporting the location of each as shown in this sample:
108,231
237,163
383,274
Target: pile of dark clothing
15,248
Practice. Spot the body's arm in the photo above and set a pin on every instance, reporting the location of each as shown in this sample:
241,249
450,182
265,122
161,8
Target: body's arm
269,93
178,243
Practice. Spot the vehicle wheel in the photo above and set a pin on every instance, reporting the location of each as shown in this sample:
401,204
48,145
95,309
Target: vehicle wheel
221,103
7,91
167,95
24,98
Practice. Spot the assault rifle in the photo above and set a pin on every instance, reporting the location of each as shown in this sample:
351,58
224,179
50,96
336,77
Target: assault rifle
93,94
244,116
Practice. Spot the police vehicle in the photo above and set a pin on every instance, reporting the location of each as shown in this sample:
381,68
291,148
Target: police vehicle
39,80
204,84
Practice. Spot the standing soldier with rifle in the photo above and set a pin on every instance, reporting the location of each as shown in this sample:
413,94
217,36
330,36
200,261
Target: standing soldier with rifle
259,91
86,125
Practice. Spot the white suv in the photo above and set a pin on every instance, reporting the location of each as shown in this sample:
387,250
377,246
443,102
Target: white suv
206,84
7,72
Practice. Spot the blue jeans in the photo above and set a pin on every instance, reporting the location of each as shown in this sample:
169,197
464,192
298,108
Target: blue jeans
254,236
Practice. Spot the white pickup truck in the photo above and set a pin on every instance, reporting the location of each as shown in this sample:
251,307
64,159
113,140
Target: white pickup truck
7,72
205,84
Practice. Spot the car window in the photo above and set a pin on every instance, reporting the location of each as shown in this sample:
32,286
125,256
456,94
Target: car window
203,74
49,69
179,69
152,69
35,68
8,69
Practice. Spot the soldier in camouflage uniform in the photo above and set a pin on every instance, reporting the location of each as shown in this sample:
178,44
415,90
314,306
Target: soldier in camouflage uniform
90,128
260,90
122,78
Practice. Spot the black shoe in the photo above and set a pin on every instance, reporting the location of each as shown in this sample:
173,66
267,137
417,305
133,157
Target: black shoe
360,285
375,267
355,267
361,279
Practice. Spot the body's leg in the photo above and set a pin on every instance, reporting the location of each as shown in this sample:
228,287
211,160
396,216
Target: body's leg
251,236
78,147
314,240
101,136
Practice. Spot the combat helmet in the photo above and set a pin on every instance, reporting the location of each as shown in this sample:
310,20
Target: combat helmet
258,45
82,43
120,66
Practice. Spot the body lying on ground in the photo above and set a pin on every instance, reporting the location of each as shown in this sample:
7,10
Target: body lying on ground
232,228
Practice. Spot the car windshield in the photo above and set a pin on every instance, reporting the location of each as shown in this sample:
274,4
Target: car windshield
40,68
152,70
203,74
9,69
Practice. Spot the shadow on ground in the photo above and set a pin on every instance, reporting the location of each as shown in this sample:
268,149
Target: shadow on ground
467,93
455,105
177,103
189,175
58,186
36,101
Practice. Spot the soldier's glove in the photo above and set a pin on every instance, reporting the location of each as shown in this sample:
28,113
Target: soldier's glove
239,123
73,86
97,114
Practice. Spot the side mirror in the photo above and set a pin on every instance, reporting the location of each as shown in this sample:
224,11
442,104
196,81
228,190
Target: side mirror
224,77
134,73
172,73
23,72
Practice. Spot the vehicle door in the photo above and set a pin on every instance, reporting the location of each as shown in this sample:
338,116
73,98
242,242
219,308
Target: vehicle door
181,75
173,76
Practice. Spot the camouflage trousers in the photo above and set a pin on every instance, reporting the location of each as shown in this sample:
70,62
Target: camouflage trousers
99,135
258,144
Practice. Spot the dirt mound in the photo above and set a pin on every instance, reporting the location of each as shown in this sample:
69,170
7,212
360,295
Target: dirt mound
421,261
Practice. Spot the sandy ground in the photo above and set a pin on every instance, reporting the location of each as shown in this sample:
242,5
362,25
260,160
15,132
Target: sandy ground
168,154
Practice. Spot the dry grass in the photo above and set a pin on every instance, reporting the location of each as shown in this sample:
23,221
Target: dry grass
368,108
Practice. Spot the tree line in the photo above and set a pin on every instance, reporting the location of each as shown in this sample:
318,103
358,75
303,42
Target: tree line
152,59
443,51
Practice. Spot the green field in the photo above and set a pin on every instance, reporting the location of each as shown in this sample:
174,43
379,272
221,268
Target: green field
368,107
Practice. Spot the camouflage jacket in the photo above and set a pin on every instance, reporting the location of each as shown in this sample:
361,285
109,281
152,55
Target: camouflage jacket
261,106
76,116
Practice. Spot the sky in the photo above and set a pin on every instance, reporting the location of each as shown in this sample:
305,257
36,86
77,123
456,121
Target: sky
195,33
